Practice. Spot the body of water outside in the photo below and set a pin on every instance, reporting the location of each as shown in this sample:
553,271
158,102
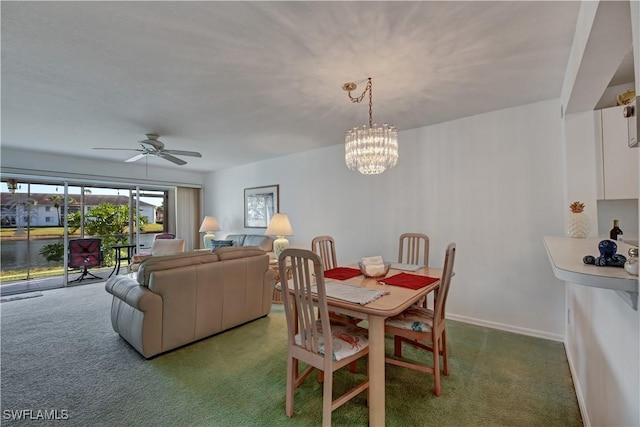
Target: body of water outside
14,253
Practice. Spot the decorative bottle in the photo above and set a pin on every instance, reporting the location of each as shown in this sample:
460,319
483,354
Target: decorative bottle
615,232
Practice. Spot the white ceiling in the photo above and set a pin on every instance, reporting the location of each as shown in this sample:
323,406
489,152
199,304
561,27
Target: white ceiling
245,81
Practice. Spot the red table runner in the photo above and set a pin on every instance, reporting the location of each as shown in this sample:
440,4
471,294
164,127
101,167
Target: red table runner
411,281
342,273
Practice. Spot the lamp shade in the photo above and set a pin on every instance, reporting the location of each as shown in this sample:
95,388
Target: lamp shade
279,226
209,223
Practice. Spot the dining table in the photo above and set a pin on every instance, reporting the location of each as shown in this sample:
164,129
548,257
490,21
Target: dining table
376,312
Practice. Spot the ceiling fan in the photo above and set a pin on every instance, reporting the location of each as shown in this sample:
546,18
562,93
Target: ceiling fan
153,147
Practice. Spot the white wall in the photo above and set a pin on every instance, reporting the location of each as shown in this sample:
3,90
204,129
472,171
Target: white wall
489,182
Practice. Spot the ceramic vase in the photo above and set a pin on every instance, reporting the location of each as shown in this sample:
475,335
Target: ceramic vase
578,225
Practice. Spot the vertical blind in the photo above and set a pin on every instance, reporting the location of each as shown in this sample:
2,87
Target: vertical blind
188,216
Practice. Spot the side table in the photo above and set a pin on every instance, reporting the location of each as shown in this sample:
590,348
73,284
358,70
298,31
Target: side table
277,294
122,256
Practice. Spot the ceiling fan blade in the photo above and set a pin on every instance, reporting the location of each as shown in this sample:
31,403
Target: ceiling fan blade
125,149
183,153
169,157
136,157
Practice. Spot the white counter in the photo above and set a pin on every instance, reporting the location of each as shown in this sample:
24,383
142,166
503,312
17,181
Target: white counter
566,253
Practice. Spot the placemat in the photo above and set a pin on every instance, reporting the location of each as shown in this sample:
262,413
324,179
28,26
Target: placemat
350,293
405,267
411,281
342,273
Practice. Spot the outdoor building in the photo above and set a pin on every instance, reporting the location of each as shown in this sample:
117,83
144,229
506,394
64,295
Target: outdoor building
46,209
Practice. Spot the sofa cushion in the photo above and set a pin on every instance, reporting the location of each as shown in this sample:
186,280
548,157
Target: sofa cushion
263,242
226,253
237,239
156,263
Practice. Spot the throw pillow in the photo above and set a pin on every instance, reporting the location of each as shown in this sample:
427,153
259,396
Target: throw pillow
220,243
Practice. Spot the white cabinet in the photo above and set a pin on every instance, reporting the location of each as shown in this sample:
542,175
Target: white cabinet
618,162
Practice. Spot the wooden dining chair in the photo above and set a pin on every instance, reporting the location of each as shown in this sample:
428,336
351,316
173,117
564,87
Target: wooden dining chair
425,328
325,247
411,246
307,335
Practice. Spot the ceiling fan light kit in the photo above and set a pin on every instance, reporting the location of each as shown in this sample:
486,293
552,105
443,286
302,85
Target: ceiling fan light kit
370,150
154,147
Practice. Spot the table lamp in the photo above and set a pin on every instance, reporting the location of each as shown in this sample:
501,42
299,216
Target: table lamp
209,225
280,227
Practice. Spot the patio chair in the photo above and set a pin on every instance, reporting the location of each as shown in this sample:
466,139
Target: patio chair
165,236
84,254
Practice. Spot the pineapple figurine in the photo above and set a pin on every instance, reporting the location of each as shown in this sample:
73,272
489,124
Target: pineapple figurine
578,224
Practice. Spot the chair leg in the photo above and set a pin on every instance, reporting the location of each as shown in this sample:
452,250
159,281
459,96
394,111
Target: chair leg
327,400
292,373
445,357
85,272
80,278
397,346
436,364
93,275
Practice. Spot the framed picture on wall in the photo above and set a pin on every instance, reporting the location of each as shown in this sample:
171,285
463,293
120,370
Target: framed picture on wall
260,203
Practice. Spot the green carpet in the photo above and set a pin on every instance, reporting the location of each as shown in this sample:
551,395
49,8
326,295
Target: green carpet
59,352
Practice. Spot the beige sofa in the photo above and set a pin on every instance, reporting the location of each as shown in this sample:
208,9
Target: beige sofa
179,299
260,240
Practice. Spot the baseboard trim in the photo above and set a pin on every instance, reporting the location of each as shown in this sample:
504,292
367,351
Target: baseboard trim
508,328
576,386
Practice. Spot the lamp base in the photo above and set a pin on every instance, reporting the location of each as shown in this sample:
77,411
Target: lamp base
279,245
207,238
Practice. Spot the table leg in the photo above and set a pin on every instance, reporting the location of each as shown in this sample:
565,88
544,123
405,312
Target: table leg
376,372
117,266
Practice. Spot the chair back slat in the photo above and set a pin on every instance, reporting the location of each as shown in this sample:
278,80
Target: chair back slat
306,271
445,282
325,248
411,246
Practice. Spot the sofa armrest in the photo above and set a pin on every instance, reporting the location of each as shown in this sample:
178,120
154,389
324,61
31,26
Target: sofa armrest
129,291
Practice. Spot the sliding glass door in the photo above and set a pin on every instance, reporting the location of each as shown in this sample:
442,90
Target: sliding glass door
37,216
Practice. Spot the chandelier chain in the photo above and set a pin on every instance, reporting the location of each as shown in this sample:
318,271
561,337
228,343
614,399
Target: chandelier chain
359,99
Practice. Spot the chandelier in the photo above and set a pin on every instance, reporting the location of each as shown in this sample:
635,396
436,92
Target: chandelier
370,150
